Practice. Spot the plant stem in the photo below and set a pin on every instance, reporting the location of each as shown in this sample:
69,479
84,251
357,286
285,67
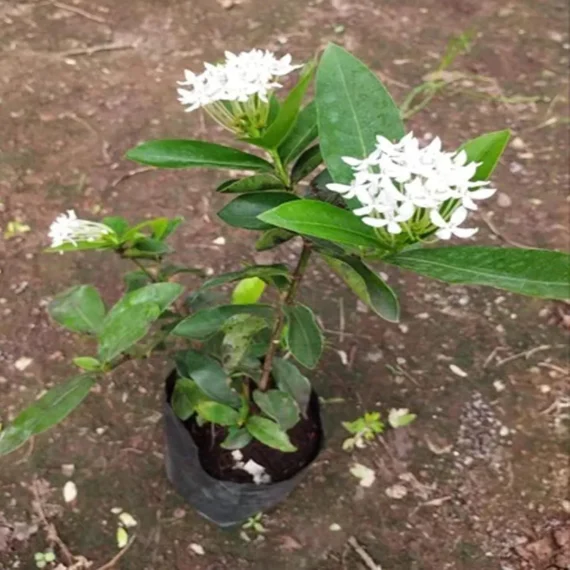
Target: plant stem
280,170
275,341
141,266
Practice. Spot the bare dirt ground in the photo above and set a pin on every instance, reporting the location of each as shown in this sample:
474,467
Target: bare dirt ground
485,466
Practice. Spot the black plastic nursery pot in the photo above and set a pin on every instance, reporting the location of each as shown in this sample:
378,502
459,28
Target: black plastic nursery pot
224,502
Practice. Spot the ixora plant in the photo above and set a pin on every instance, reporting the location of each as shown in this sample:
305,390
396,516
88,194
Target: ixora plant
242,421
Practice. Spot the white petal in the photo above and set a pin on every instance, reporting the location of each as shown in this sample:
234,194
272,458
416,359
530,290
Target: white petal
443,233
364,211
394,228
351,161
482,193
437,219
406,211
375,222
465,232
458,217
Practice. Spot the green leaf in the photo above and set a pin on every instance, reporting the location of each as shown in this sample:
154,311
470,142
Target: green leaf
53,407
122,329
217,413
304,337
161,294
367,285
256,183
248,291
239,332
243,211
269,433
79,309
279,406
185,398
272,238
237,438
206,322
209,376
322,220
306,163
135,280
191,154
289,379
87,363
117,223
262,271
534,272
486,149
353,107
287,114
303,133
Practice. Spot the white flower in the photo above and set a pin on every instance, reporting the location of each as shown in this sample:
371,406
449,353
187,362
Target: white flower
449,228
403,186
67,228
235,79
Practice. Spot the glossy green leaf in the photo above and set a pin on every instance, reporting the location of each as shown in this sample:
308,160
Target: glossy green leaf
161,294
279,406
79,309
209,376
269,433
191,154
534,272
248,291
289,379
124,328
206,322
307,162
185,397
367,285
243,211
256,183
272,238
237,438
303,133
287,114
304,336
486,149
262,271
217,413
87,363
239,331
135,280
53,407
322,220
353,108
117,223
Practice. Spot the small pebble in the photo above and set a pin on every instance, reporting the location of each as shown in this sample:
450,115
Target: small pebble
458,371
396,491
22,363
499,385
335,527
69,492
545,388
198,549
504,431
220,241
68,469
504,200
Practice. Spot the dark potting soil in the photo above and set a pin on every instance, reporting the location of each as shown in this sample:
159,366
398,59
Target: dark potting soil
306,436
219,463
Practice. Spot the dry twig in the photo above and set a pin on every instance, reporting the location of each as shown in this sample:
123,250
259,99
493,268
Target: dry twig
111,564
364,556
527,354
502,237
131,173
79,12
95,49
51,531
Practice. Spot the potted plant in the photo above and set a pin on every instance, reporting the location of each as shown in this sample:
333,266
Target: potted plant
242,421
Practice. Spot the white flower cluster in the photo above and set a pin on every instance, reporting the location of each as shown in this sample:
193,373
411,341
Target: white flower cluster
403,187
236,79
67,228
